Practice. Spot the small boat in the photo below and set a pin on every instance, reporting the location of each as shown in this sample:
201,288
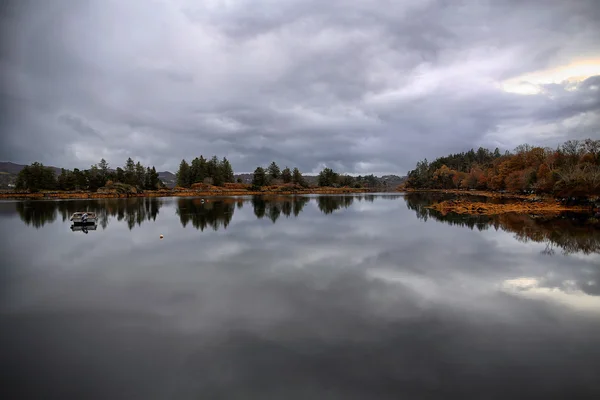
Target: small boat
84,218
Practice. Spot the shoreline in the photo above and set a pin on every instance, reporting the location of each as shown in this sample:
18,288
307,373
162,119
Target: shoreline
523,204
82,195
522,207
481,193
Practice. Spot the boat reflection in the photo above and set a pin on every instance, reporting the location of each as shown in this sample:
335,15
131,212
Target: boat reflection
84,228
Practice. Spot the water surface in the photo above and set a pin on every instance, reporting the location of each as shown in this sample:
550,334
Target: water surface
318,297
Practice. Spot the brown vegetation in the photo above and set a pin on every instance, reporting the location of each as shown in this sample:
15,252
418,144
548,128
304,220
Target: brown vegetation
522,207
571,170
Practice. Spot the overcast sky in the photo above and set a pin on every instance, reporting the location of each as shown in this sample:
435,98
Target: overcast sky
364,86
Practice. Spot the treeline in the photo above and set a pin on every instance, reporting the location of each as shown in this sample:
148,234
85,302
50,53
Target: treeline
572,169
213,172
37,177
273,175
219,172
330,178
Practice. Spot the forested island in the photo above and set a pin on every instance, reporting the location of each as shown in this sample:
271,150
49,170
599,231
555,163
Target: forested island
543,179
570,170
202,176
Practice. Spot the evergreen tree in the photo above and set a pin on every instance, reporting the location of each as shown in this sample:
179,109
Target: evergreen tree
130,178
155,182
259,178
227,171
198,169
148,179
81,182
94,178
183,174
346,180
286,175
140,175
212,169
273,171
104,172
327,177
120,175
66,180
297,178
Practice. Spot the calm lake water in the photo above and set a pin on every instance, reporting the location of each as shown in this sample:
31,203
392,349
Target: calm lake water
348,297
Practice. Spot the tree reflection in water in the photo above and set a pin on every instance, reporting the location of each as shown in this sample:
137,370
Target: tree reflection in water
134,211
37,213
572,233
274,206
569,232
202,214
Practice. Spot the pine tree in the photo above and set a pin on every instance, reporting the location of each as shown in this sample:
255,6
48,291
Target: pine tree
183,174
227,171
297,178
148,179
259,178
120,175
327,177
130,172
273,171
217,175
198,169
94,178
212,167
286,175
36,177
154,179
103,167
140,175
81,181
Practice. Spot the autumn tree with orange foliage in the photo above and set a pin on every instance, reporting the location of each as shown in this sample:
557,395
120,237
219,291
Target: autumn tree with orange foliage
573,169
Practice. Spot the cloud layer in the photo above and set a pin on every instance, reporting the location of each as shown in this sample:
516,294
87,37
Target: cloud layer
367,87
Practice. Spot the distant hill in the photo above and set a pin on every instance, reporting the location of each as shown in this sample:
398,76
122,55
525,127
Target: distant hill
168,178
12,168
9,172
392,181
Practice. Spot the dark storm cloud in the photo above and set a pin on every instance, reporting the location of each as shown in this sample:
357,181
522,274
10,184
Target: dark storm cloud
79,126
366,87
